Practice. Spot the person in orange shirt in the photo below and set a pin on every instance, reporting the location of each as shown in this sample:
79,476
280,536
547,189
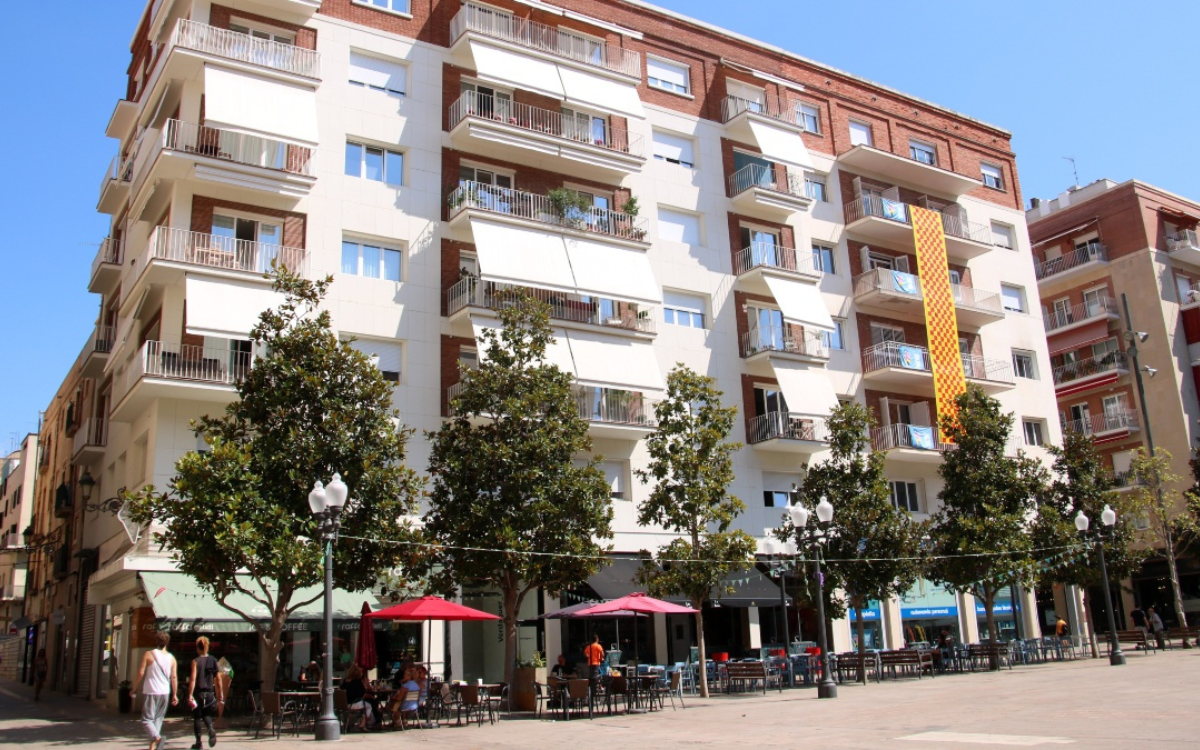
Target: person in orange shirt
594,654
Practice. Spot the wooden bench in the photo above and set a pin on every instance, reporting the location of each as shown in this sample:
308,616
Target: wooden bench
1140,638
987,654
747,675
906,660
1183,635
852,666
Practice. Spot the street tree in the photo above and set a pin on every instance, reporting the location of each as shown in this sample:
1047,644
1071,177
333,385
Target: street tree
236,516
691,467
981,536
1169,517
509,507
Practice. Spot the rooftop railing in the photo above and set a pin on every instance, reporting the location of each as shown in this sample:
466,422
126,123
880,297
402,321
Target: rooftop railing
786,426
547,122
1100,307
228,253
287,58
767,255
776,108
518,203
1074,259
241,148
471,291
760,176
1085,368
783,339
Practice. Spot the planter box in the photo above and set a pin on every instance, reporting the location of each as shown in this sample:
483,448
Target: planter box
521,692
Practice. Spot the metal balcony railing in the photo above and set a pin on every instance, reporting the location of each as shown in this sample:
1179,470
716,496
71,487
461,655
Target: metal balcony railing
287,58
240,148
1085,368
228,253
110,252
615,406
94,434
119,170
880,208
887,280
759,176
216,362
1126,479
895,354
484,197
767,255
918,437
963,229
103,339
783,339
551,40
982,368
1110,421
1097,308
548,122
776,108
1186,239
471,291
787,426
1073,259
975,299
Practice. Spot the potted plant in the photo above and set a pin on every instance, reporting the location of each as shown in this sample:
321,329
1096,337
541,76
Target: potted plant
528,671
569,205
125,697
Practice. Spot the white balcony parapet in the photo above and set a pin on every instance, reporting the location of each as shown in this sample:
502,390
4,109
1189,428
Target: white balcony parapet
110,252
783,339
1186,239
774,107
786,426
976,299
1098,424
551,40
1101,307
887,280
119,170
518,203
215,363
93,433
471,291
250,150
1085,368
759,176
983,368
766,255
1073,259
544,121
912,436
233,45
227,253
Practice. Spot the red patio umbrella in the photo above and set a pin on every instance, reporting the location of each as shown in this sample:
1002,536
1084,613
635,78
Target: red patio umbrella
430,608
364,655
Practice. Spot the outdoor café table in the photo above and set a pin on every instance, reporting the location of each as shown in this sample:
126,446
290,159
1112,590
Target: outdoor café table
641,693
308,702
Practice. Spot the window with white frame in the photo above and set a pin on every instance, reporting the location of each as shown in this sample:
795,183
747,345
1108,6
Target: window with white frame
674,149
823,258
814,186
468,173
678,226
377,74
1002,235
682,309
905,495
396,6
860,133
668,76
258,31
777,489
835,339
881,334
614,474
384,354
1013,297
372,260
810,117
1024,364
374,163
1035,431
993,177
922,152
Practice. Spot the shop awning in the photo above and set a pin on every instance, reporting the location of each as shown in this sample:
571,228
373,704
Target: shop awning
525,257
609,361
800,302
265,107
779,144
496,65
616,579
600,92
807,390
612,271
225,308
750,589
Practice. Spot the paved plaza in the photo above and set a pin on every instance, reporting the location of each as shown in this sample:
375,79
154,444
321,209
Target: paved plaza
1152,701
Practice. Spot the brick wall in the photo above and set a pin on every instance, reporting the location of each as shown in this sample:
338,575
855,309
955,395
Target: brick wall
451,253
294,224
220,17
451,345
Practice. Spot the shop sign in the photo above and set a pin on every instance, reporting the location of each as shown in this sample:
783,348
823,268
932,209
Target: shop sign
999,608
869,615
927,613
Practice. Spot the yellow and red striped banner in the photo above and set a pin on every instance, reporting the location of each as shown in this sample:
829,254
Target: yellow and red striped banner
941,323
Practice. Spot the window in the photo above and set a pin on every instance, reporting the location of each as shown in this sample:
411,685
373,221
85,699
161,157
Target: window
371,163
835,339
377,74
882,333
1104,348
674,149
396,6
614,474
860,134
1013,298
823,258
371,260
1023,365
810,118
777,489
681,309
769,401
776,498
814,186
904,496
1002,235
678,226
263,33
992,176
1034,432
922,152
484,176
1089,248
386,355
668,76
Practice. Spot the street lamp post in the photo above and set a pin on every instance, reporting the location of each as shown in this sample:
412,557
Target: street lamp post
326,503
810,539
1097,538
781,566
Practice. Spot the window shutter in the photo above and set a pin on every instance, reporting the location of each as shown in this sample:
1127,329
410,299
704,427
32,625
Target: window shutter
885,412
379,73
389,353
919,414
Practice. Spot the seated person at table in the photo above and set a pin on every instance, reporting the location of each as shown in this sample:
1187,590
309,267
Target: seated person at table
355,685
562,670
311,673
407,701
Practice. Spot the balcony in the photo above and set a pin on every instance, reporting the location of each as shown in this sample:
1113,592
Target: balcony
1085,374
574,308
616,413
1185,246
787,432
114,187
544,138
775,112
1190,298
1075,266
900,169
98,351
1124,481
1112,425
552,41
908,366
888,222
106,266
752,265
90,440
767,192
242,48
888,291
523,208
993,375
784,342
1077,316
160,369
909,442
64,502
975,307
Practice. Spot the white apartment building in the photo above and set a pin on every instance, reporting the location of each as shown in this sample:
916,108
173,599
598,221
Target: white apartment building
409,149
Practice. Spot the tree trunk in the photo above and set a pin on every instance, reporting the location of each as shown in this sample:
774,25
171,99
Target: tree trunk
272,640
1173,571
512,603
862,641
1091,628
989,604
703,669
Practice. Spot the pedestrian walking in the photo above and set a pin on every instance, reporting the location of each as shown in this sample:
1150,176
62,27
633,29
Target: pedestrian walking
41,668
158,679
1157,627
1139,621
205,693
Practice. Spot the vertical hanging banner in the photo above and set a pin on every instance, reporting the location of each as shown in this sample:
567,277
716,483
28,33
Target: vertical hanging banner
941,323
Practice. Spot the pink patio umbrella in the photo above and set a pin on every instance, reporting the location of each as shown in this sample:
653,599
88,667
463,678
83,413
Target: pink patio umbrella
636,602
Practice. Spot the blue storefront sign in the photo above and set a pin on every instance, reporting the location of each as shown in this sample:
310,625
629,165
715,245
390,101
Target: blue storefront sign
869,615
999,608
927,613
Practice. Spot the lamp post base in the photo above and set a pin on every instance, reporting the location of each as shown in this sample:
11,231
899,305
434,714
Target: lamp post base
328,728
827,689
1116,658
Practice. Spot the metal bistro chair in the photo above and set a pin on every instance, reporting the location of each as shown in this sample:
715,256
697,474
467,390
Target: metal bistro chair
672,688
257,717
471,702
618,688
579,695
278,713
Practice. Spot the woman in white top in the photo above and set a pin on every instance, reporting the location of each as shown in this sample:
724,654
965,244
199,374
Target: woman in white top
158,679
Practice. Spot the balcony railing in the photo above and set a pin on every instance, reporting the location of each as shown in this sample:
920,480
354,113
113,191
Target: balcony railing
471,291
887,280
240,148
110,252
768,178
982,368
1101,307
94,434
783,339
898,211
895,354
955,226
118,170
918,437
1084,368
615,406
1126,479
1186,239
766,255
518,203
216,362
549,39
227,253
1110,421
975,299
234,45
103,339
537,120
1073,259
787,426
776,108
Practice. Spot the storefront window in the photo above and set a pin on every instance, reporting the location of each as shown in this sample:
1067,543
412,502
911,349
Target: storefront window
926,610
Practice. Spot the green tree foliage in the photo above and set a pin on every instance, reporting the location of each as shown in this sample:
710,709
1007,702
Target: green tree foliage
691,466
1169,517
504,480
981,535
308,407
873,548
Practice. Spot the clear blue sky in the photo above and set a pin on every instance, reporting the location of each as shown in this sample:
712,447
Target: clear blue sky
1109,83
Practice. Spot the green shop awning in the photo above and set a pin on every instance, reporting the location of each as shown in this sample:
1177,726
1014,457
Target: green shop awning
180,604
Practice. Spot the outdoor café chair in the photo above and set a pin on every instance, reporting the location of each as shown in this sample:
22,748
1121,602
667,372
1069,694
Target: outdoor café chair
278,713
579,695
470,702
